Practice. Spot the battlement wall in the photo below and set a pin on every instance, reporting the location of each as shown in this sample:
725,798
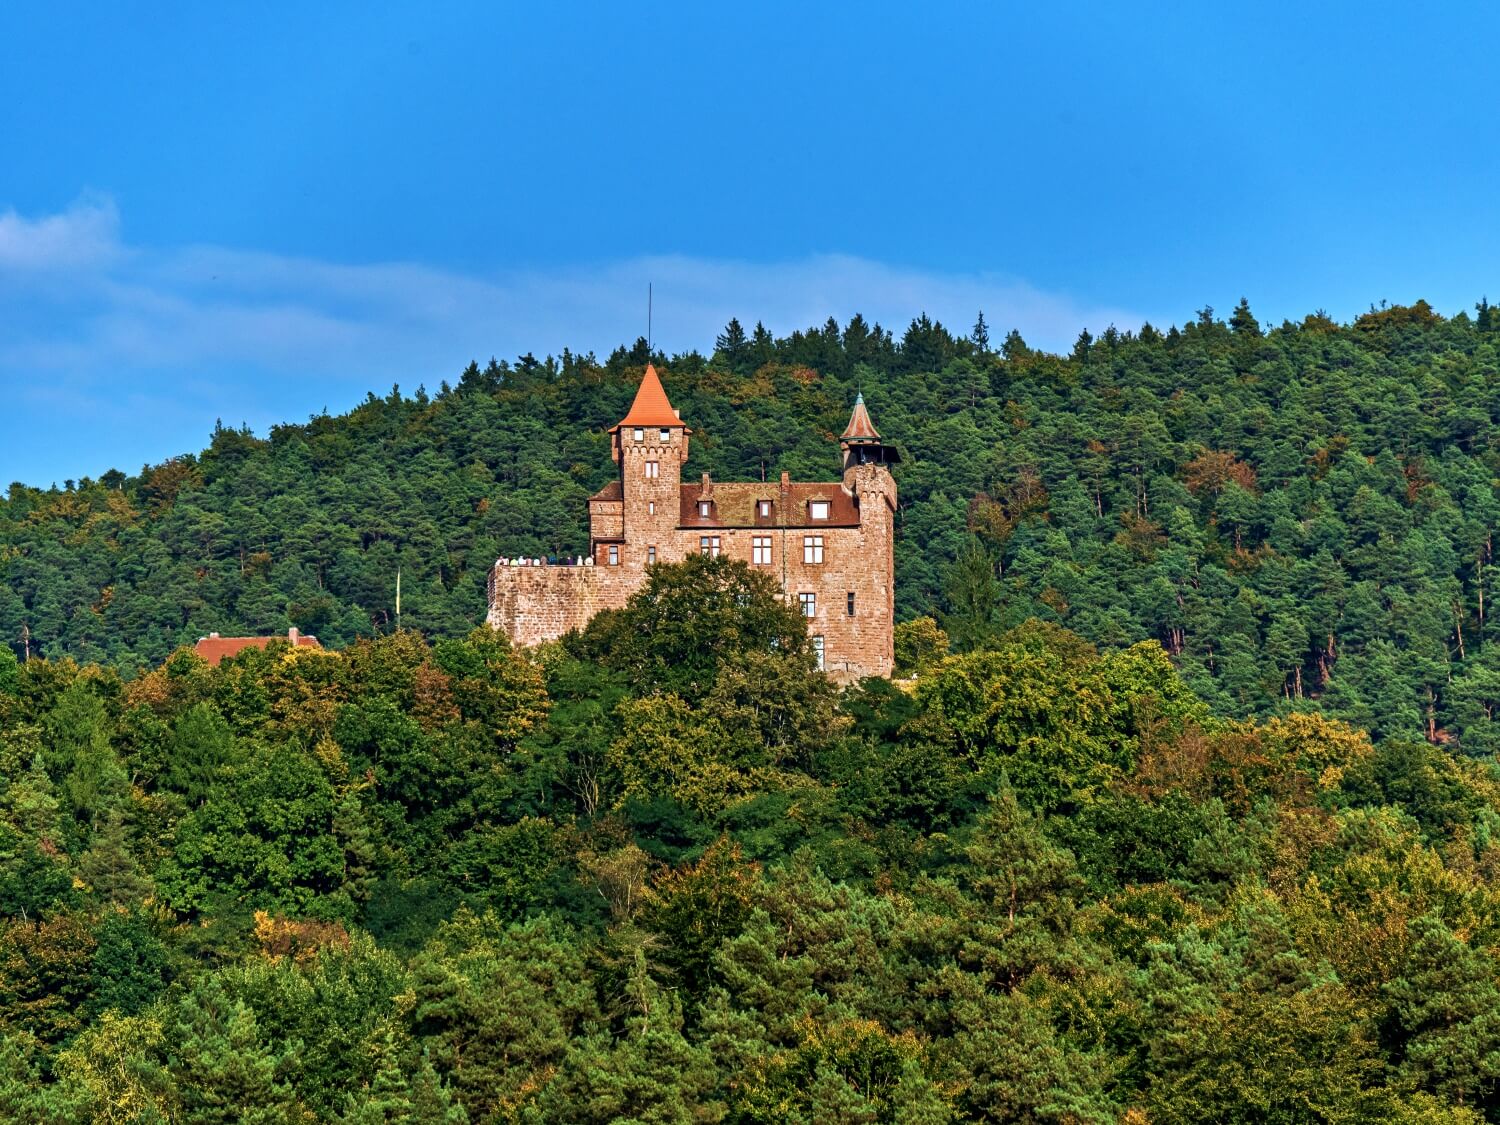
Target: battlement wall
532,604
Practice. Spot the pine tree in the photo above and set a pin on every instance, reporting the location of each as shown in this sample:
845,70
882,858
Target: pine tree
1448,1002
109,867
732,346
400,1094
228,1073
1242,321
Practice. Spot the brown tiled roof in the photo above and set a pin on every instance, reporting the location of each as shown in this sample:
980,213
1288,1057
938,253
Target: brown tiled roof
860,428
650,407
215,648
735,505
611,491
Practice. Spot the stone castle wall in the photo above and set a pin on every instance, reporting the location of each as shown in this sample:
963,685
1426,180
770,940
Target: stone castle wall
541,603
532,604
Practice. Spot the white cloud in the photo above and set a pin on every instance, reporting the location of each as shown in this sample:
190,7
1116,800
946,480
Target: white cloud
109,306
84,236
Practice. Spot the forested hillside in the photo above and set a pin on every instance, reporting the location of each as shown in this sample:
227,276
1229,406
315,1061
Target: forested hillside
665,872
1303,516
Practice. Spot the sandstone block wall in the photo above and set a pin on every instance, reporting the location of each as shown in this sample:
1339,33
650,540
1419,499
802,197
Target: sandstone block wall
655,514
533,604
606,519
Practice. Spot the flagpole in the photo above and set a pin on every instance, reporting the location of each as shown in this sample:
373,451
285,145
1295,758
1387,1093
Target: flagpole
398,599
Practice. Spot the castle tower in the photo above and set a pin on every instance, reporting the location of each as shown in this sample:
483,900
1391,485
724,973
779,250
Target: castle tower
649,444
861,442
867,475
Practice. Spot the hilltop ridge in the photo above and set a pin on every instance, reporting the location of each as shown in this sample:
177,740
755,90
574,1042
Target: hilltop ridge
1301,512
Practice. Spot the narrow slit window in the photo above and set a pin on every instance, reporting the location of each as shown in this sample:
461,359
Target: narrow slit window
817,647
651,507
851,603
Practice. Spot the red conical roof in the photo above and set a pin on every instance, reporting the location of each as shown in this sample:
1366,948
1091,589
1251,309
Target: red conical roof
650,407
860,428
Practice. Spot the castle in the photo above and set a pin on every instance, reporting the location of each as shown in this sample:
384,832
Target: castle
829,544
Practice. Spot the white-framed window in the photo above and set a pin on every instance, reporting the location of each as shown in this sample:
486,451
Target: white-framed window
817,646
708,545
760,550
666,435
817,509
640,435
812,548
653,469
763,509
705,508
851,603
809,604
651,558
614,554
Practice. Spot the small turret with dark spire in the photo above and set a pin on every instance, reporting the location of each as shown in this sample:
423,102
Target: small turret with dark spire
861,442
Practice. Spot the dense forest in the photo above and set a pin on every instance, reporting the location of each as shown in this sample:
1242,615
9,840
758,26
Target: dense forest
1303,516
1185,806
663,871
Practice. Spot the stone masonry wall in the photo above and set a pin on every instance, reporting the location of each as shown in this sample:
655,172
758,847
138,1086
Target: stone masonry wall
541,603
533,604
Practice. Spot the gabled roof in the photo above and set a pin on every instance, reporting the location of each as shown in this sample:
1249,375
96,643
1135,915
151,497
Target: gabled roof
860,428
650,407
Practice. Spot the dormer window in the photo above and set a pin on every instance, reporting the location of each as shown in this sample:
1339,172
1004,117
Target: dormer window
705,508
640,435
763,509
666,435
817,509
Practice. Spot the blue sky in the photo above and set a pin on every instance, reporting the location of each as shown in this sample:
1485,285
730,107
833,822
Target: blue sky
253,212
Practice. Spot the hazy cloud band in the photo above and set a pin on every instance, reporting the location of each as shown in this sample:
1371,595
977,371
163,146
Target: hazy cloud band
78,300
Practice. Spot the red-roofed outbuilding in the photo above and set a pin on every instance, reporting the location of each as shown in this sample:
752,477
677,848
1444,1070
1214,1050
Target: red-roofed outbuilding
214,648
